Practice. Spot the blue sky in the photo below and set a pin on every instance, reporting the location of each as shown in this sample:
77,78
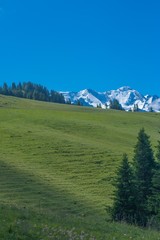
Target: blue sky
77,44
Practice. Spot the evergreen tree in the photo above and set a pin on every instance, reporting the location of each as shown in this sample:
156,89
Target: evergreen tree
5,89
135,108
154,200
13,86
68,101
114,104
158,153
19,86
99,105
144,165
78,102
151,109
123,208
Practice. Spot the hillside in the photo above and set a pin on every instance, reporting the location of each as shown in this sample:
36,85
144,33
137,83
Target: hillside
57,165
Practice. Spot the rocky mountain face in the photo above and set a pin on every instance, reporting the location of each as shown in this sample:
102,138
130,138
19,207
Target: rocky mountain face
127,97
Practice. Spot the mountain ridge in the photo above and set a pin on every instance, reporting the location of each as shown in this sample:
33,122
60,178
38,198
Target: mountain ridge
126,96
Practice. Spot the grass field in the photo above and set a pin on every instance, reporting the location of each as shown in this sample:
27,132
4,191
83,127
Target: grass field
57,166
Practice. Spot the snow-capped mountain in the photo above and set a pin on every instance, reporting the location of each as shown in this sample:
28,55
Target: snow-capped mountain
126,96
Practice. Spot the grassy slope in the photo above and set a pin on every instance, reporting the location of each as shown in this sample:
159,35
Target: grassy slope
57,163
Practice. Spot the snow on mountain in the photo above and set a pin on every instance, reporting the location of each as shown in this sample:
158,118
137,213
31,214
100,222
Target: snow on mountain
87,97
126,96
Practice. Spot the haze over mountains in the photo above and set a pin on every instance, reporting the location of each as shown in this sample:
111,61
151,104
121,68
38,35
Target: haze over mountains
126,96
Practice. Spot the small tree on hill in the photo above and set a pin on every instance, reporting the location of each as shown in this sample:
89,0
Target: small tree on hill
151,109
144,165
68,101
154,200
135,108
114,104
99,105
123,208
158,153
78,102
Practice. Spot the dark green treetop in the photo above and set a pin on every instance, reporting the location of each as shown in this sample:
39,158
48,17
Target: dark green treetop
114,104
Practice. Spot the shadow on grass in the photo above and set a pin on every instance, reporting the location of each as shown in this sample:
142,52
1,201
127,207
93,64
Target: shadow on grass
26,191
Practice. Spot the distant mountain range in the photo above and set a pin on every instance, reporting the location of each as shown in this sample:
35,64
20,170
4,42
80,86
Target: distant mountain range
126,96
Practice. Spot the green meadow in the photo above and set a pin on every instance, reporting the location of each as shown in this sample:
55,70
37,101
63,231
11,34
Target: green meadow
57,168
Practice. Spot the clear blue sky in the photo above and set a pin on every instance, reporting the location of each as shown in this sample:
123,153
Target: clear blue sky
77,44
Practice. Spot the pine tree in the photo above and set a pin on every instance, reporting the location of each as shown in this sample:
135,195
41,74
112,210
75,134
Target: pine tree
106,105
5,89
78,102
68,101
154,200
135,108
99,105
123,207
151,109
114,104
158,153
144,165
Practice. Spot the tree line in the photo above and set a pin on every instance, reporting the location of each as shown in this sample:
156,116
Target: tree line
31,91
137,194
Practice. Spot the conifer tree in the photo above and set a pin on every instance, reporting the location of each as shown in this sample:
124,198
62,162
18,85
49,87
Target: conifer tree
135,108
78,102
144,165
158,153
114,104
123,208
154,200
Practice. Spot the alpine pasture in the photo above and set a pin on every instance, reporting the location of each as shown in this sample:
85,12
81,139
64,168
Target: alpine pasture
57,168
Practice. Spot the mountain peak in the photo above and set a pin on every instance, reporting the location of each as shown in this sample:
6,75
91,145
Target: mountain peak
87,90
124,88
